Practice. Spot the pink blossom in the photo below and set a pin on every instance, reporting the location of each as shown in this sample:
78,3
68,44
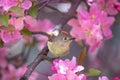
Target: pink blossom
48,25
42,41
92,40
116,78
72,76
38,25
12,73
86,32
105,24
109,6
117,6
82,77
89,25
26,4
57,76
92,26
103,78
64,66
13,34
7,4
9,36
18,23
3,54
68,76
92,15
75,31
30,21
66,70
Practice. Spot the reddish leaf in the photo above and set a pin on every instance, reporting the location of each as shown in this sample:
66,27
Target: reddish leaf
82,56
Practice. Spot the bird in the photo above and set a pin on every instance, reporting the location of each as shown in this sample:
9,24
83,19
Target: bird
59,45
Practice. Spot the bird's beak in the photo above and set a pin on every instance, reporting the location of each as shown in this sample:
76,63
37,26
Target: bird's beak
72,38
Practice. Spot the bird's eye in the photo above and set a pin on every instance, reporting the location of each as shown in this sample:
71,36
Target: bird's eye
65,38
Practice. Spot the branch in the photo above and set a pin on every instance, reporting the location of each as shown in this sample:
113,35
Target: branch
70,13
42,3
33,65
42,33
55,9
54,1
60,1
45,50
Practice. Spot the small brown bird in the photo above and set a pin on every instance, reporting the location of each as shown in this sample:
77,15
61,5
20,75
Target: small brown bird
59,45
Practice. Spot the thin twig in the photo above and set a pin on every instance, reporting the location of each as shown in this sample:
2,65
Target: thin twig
42,4
55,9
42,33
60,1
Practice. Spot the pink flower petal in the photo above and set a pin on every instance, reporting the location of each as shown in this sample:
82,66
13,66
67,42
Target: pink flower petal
7,4
10,36
26,4
103,78
57,77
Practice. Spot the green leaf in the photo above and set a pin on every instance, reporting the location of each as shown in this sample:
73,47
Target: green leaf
93,72
4,19
35,3
10,27
26,32
16,10
33,11
1,43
